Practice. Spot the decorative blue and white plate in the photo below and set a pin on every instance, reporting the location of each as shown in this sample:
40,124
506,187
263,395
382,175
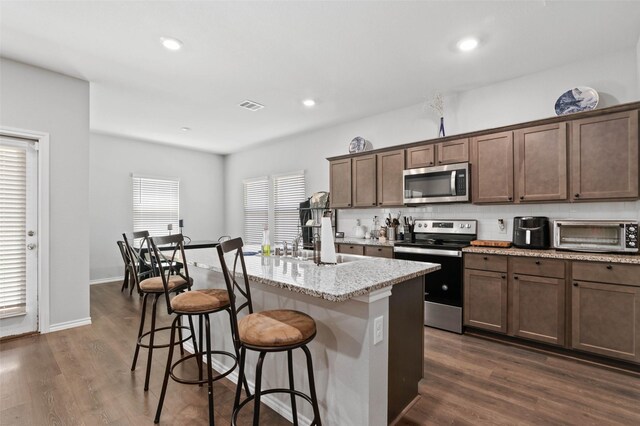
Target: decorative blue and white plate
359,144
578,99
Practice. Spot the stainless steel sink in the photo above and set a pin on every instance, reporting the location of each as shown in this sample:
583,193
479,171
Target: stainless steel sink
307,256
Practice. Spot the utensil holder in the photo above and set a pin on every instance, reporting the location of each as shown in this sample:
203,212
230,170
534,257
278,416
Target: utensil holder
391,233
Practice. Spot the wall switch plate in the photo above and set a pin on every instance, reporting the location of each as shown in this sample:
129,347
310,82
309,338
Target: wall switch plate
502,227
378,330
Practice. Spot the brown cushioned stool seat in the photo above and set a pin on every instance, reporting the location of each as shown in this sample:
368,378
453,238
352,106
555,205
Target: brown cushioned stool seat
197,301
154,284
273,328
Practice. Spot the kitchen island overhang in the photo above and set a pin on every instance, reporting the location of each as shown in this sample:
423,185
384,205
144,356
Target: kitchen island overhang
358,382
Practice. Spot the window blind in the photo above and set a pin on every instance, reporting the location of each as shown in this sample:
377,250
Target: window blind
13,216
156,204
288,193
256,209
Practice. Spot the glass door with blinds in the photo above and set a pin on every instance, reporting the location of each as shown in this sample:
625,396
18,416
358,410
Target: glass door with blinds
18,236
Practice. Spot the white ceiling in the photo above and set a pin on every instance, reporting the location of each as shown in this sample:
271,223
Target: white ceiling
355,58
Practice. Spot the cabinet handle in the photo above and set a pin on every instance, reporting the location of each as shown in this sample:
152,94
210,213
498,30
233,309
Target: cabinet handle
440,162
431,163
503,276
577,195
484,258
510,198
609,267
373,204
537,262
349,205
522,197
575,284
515,278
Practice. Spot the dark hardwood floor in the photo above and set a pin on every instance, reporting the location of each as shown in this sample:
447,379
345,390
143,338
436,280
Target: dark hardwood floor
82,376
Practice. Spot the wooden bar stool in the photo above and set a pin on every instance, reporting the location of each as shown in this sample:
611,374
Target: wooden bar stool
154,287
194,303
280,330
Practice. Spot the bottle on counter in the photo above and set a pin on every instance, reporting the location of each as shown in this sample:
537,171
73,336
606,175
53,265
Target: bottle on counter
266,242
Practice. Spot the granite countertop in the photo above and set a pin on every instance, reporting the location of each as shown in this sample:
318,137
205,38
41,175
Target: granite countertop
633,259
331,282
364,241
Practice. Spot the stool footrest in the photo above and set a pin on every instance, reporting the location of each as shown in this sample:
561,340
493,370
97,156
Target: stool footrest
204,380
163,345
266,392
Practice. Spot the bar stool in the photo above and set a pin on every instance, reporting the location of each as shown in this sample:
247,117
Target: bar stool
153,287
280,330
193,303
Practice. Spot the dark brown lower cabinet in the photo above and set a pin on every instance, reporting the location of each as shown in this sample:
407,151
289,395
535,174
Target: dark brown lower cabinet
485,300
537,310
350,248
606,319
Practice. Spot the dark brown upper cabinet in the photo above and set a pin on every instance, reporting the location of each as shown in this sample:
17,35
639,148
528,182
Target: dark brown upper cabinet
390,178
438,154
540,156
604,157
363,183
340,183
492,168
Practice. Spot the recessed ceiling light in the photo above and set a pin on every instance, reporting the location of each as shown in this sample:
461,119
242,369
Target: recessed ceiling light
171,43
308,102
185,129
467,44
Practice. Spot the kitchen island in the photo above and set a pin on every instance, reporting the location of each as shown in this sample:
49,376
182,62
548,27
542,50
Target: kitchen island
358,382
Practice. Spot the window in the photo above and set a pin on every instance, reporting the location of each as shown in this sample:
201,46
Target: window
156,204
273,200
256,209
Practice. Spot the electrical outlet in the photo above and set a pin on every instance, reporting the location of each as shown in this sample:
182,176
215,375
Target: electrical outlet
502,226
378,330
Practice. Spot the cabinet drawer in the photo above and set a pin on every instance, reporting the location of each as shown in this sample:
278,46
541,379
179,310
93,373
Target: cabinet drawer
538,267
378,251
351,249
486,262
614,273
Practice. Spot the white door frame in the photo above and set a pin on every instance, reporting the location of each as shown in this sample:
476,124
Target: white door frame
43,219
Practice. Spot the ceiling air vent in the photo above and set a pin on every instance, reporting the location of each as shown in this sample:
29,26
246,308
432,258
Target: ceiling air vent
251,106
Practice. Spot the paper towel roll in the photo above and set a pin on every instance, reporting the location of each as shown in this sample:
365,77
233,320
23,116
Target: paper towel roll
328,248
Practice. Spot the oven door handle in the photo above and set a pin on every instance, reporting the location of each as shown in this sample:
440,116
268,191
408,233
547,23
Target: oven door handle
453,182
435,252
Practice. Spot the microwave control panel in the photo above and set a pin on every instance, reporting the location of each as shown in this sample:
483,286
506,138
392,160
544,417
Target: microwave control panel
631,235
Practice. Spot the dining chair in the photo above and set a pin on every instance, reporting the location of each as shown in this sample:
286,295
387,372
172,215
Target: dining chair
125,258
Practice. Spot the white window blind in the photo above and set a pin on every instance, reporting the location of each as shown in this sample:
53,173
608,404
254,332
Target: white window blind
288,193
156,204
256,209
13,211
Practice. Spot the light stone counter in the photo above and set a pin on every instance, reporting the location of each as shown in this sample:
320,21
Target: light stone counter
336,283
633,259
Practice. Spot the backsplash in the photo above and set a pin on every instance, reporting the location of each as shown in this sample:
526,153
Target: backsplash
487,216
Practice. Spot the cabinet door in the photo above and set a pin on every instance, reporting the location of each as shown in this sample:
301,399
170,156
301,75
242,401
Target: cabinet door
485,300
364,181
340,183
537,308
540,155
604,157
492,168
456,151
606,319
390,178
375,251
421,156
350,249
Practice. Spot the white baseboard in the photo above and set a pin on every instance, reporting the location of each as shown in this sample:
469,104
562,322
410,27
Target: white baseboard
276,405
106,280
69,324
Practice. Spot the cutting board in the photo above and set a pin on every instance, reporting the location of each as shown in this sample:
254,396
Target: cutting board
491,243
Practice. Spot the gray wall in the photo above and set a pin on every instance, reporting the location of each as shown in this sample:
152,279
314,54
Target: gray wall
39,100
526,98
113,160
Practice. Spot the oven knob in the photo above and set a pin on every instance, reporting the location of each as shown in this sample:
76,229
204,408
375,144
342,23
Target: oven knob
462,225
419,225
632,237
468,225
631,244
632,229
445,287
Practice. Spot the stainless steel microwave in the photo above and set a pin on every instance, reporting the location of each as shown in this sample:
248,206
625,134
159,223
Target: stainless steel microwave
441,184
596,235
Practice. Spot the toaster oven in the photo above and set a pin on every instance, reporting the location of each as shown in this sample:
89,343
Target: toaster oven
596,235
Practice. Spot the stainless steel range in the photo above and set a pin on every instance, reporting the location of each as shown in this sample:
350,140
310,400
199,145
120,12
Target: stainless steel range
440,241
